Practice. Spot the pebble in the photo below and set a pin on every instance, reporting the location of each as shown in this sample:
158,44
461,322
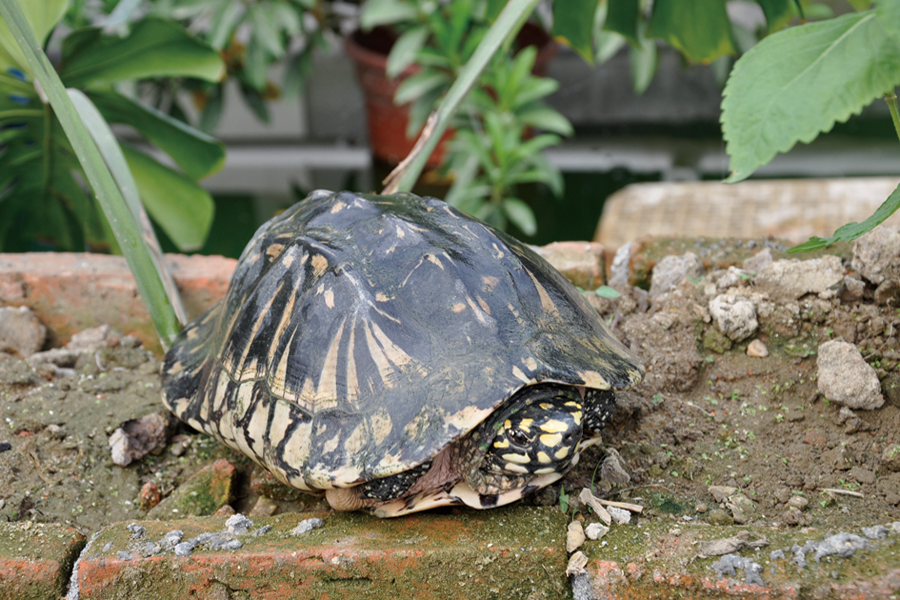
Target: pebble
875,254
798,502
576,565
878,532
149,496
757,349
619,515
184,549
735,316
758,261
21,332
611,469
845,377
595,531
263,507
721,492
238,524
172,539
574,536
137,531
307,525
56,432
136,438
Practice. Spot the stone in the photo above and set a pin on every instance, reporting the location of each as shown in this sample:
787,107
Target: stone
798,502
203,494
890,458
734,315
574,536
611,469
854,289
875,254
888,293
792,279
844,377
21,331
721,492
672,270
595,531
136,438
758,261
757,349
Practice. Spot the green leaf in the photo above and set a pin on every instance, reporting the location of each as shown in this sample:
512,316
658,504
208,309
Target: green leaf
155,48
256,66
888,13
42,15
643,61
851,231
535,88
418,84
622,18
604,291
778,13
196,153
798,82
404,51
265,32
182,208
386,12
224,23
541,116
700,29
521,215
573,25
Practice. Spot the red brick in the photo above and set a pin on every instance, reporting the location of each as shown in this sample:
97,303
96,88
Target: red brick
504,553
71,291
36,559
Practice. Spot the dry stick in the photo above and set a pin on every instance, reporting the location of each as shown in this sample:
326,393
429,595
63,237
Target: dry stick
844,492
393,179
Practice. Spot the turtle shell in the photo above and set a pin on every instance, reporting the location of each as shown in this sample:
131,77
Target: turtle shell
362,334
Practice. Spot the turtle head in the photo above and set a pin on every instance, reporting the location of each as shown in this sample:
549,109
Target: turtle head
536,433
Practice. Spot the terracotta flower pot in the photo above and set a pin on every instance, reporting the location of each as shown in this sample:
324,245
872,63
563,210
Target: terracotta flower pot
386,121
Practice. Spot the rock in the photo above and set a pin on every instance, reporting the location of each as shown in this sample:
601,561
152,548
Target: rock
853,289
734,315
717,516
890,458
721,492
757,349
149,496
845,378
672,270
307,525
758,261
888,293
619,269
204,493
238,524
792,517
21,332
798,502
264,507
741,507
875,254
792,279
576,565
595,531
619,515
136,438
611,469
574,536
732,278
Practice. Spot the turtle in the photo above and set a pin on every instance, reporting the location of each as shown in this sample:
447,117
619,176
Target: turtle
398,355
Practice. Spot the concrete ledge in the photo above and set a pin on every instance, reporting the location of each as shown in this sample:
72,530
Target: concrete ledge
505,553
36,559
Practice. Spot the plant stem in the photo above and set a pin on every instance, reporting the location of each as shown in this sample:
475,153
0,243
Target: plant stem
505,27
891,99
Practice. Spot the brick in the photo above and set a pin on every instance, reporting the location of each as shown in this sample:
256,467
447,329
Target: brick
70,292
512,552
36,559
582,263
660,559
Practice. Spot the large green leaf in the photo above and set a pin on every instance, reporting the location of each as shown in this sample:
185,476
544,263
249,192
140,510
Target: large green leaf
154,48
826,71
196,153
778,13
888,12
700,29
622,18
42,15
573,24
182,208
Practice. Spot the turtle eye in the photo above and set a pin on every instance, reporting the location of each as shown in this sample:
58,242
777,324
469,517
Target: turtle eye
519,437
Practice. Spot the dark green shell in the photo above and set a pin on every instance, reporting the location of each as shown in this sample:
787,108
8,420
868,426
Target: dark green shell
362,334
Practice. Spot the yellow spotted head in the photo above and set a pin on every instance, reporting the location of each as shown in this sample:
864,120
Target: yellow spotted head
539,434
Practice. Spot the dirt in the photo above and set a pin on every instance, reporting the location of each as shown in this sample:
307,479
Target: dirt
706,415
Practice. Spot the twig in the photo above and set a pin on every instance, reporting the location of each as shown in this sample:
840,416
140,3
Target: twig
393,179
637,508
844,492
